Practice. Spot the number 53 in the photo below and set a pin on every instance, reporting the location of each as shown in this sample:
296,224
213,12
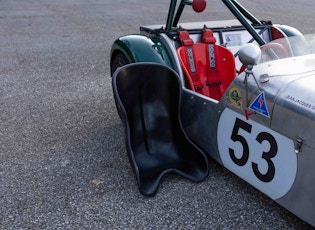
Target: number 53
261,156
267,156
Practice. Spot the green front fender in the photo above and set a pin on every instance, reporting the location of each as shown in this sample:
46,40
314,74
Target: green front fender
139,48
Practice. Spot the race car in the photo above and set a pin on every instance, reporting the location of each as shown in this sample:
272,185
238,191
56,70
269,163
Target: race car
238,91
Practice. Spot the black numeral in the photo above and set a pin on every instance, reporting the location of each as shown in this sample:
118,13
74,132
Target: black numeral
239,124
243,159
269,175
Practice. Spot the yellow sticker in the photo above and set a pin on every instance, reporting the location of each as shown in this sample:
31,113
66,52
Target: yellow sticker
235,97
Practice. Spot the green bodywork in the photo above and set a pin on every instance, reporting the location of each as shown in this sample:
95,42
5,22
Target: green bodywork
140,48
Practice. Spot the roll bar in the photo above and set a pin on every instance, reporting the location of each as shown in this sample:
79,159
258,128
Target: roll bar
243,15
236,8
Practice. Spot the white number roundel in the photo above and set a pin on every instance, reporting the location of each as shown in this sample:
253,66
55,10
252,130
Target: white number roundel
257,154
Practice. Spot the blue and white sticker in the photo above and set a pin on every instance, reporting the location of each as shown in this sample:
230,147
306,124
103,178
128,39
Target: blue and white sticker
259,105
257,154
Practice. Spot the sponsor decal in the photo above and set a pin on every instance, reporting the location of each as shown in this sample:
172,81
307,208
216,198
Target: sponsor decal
191,60
233,39
235,98
211,56
300,102
259,105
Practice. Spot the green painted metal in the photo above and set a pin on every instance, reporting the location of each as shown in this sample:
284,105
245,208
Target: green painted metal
139,48
173,18
246,13
180,11
288,30
171,13
236,8
238,14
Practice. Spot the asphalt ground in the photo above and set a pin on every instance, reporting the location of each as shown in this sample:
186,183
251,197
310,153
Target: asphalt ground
63,163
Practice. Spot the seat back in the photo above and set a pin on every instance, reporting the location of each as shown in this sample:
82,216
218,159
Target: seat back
209,68
148,98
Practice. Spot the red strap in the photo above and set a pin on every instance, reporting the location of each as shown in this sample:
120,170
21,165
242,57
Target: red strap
185,38
212,78
188,43
208,36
